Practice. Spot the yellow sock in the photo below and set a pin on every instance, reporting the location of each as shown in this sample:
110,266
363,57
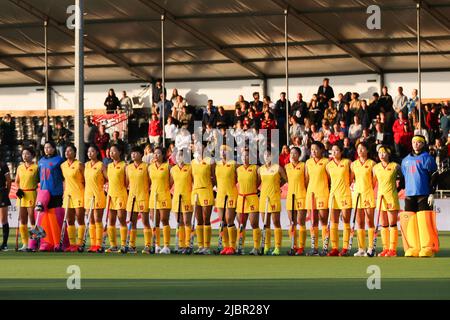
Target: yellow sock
324,233
112,236
385,237
278,237
334,235
98,233
123,236
346,235
316,237
133,233
166,236
393,237
23,228
199,233
181,237
147,237
302,236
225,238
92,237
187,236
207,236
257,238
267,241
232,236
72,234
361,234
371,235
158,236
81,231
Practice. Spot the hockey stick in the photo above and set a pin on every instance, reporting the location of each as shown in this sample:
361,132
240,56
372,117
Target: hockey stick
83,244
352,232
18,225
291,252
374,244
266,218
222,224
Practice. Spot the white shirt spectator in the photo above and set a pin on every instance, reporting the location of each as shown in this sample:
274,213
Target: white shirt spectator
170,131
354,131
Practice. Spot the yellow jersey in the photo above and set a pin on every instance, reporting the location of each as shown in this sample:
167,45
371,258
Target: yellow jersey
95,182
201,172
182,183
160,186
318,179
296,180
226,184
363,186
29,177
247,179
116,179
386,180
138,182
340,177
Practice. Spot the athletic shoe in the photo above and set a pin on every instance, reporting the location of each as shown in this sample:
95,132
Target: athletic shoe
266,251
360,253
199,250
333,253
276,251
299,252
344,252
224,251
187,251
254,252
46,247
123,249
132,250
165,250
146,250
383,253
24,248
93,249
100,249
112,249
157,249
370,253
74,248
230,251
391,253
313,252
206,251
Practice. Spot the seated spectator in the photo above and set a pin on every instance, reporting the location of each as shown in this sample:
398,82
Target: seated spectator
253,121
355,103
170,154
238,116
284,157
115,140
314,113
148,154
295,129
445,122
222,119
175,95
269,103
421,131
343,127
346,115
355,129
154,131
325,129
256,103
349,151
107,159
299,108
439,151
102,140
333,138
126,105
364,114
316,135
432,122
209,117
178,105
268,122
331,112
185,118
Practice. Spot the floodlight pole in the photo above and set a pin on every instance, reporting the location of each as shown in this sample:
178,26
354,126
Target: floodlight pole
47,100
79,78
163,75
286,62
419,66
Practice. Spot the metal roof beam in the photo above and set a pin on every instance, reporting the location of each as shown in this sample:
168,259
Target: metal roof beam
203,37
94,45
436,14
324,33
18,67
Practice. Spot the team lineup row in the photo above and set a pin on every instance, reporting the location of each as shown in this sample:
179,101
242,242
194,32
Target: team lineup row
320,187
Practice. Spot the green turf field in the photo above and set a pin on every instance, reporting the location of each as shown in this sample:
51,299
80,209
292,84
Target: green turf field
115,276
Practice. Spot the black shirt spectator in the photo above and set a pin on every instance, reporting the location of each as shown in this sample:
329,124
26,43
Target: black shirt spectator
156,92
385,101
280,107
112,103
299,109
209,117
222,119
325,90
256,103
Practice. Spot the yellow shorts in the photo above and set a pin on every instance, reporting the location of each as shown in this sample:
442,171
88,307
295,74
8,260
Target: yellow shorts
251,204
118,203
140,205
274,203
231,201
320,203
29,199
205,197
366,200
186,205
341,202
163,201
76,201
99,201
390,202
299,202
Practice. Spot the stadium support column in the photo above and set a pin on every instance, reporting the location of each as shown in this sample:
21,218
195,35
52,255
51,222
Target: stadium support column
47,95
419,66
163,75
286,62
79,79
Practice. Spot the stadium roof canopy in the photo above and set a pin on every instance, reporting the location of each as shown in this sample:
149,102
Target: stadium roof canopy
219,39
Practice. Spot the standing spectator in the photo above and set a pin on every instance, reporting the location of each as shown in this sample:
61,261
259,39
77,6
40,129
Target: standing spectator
400,102
268,122
256,103
156,94
349,150
280,108
175,95
345,115
178,105
111,103
355,103
333,138
299,108
148,154
115,140
269,103
402,135
209,117
46,127
385,100
325,129
331,112
325,90
222,119
7,133
240,100
314,113
284,157
364,115
374,106
165,106
238,116
90,131
61,138
102,140
413,101
445,122
355,129
339,104
170,130
185,118
126,104
421,131
295,129
154,130
432,123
